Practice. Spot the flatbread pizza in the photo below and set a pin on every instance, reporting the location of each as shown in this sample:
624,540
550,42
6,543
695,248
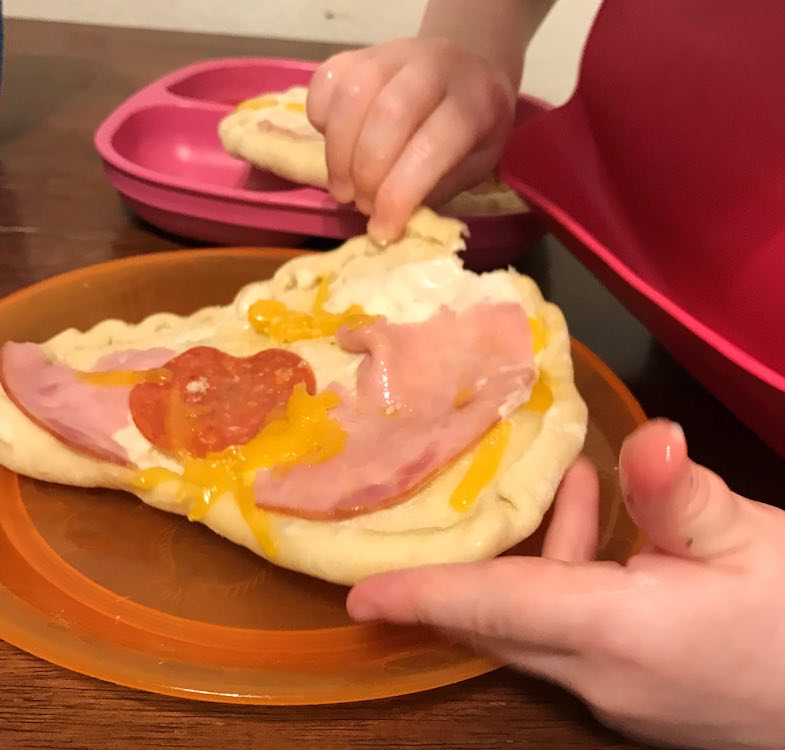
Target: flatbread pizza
272,132
363,410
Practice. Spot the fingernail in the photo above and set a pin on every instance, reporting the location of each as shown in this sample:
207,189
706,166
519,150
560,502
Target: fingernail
361,610
361,613
380,232
677,438
662,456
341,190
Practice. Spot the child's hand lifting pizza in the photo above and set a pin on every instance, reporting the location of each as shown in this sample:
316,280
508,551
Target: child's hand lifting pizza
422,119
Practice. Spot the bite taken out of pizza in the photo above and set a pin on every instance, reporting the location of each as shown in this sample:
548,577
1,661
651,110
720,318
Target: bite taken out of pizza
273,133
365,409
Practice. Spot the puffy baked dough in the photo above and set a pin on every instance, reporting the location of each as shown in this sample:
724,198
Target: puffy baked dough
301,158
423,529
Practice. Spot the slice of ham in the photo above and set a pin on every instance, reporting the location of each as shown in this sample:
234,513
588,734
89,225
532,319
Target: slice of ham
426,392
80,414
305,134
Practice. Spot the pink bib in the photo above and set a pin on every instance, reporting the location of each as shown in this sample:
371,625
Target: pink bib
666,174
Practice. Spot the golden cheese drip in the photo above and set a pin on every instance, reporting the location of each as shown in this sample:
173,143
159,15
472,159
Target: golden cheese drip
259,102
541,397
274,319
485,463
539,334
305,435
126,378
488,454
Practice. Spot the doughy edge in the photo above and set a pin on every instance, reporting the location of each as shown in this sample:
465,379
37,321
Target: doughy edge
295,159
507,511
502,201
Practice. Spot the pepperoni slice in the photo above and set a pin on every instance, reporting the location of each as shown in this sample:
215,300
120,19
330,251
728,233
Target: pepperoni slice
212,400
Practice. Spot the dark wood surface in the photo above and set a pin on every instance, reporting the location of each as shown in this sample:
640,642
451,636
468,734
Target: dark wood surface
57,212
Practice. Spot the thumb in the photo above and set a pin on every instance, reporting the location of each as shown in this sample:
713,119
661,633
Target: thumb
682,507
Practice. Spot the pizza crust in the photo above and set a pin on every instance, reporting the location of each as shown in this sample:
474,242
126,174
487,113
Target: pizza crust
300,157
491,197
421,530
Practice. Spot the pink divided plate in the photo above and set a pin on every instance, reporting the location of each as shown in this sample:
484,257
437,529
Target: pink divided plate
162,153
674,195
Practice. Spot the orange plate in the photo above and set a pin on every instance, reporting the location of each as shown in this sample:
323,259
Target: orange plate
102,584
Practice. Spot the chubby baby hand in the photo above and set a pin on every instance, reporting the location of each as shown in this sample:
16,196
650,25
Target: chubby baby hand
406,122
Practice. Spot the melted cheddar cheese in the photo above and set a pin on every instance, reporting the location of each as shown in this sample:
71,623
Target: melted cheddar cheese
541,396
265,102
539,334
305,435
483,468
120,378
258,102
274,319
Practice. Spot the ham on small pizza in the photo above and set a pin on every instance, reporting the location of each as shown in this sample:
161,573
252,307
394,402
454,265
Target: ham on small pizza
363,410
272,132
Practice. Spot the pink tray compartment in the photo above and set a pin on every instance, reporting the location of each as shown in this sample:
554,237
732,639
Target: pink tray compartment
178,142
162,153
228,83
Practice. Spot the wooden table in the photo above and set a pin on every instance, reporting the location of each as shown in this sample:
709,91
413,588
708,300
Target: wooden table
57,212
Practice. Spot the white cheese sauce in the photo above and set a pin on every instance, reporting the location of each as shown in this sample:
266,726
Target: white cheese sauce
413,292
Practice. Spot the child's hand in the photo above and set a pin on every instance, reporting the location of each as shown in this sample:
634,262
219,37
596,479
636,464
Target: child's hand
685,644
409,121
